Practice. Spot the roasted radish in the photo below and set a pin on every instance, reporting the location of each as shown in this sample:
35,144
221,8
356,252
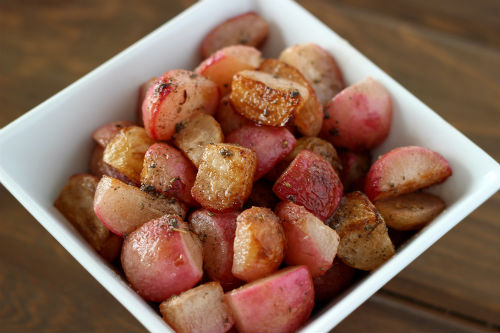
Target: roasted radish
104,134
265,99
246,29
201,309
309,118
225,177
309,241
174,97
122,208
195,133
404,170
167,171
271,144
162,258
125,152
281,302
76,202
221,66
216,232
364,242
318,66
410,211
259,244
311,181
359,117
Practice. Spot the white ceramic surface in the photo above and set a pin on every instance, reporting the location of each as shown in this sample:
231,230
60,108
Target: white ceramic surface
55,139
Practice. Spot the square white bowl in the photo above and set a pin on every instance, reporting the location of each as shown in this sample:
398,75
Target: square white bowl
55,139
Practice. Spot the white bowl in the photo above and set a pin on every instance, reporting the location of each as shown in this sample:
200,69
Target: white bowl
55,140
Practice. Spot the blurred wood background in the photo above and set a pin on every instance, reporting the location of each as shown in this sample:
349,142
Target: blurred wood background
445,51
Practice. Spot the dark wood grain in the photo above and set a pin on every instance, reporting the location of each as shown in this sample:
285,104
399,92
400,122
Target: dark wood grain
478,21
445,52
390,314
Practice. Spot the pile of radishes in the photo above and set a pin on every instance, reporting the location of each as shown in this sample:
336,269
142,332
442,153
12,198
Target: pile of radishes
232,202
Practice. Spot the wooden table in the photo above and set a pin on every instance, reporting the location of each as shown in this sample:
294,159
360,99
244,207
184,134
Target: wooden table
444,51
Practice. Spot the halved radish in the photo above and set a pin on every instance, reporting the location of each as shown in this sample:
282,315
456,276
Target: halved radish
281,302
225,177
201,309
122,208
105,133
259,244
195,133
162,258
223,64
216,231
410,211
309,241
167,171
174,97
246,29
318,66
271,144
311,181
309,118
76,202
265,99
355,166
404,170
364,242
359,117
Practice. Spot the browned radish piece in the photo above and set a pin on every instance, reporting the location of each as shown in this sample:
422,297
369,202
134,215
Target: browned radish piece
314,144
410,211
309,241
216,231
259,244
281,302
262,195
311,181
104,134
125,152
76,202
174,97
318,66
404,170
228,118
265,99
246,29
167,171
309,118
201,309
225,177
98,168
364,242
359,117
143,89
333,282
162,258
122,208
193,134
355,165
223,64
271,144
